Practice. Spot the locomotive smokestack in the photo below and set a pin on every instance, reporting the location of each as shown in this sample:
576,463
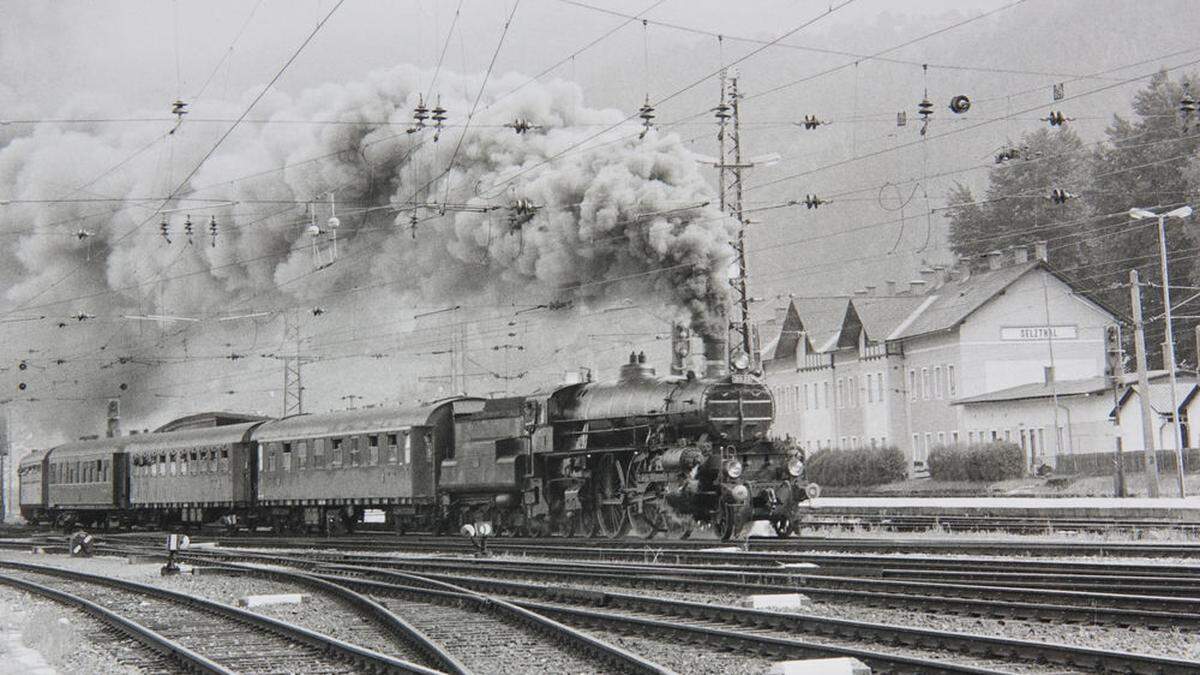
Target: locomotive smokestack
714,355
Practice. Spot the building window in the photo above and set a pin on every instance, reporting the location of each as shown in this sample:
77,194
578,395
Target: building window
851,393
942,438
928,442
995,436
937,381
842,444
954,437
1008,435
971,437
951,384
806,396
870,388
826,396
916,448
1024,440
879,386
841,393
913,392
926,389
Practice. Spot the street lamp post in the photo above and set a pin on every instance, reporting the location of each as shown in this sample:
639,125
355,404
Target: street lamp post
1181,212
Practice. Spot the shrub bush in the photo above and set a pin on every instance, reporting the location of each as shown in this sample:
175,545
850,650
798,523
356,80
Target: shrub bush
845,468
988,462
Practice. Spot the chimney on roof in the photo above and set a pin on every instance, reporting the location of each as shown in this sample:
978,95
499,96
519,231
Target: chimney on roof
929,275
941,275
1020,255
871,288
890,286
995,260
917,286
860,291
1040,251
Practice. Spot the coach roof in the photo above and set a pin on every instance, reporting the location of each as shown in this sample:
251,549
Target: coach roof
190,438
343,423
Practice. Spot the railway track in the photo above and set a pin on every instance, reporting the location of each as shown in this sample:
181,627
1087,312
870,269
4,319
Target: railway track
911,522
794,545
196,633
756,631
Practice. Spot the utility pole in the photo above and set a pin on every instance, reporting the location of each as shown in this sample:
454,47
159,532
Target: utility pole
1139,347
729,188
293,388
1115,372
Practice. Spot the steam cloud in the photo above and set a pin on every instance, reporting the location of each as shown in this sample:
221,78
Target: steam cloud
624,216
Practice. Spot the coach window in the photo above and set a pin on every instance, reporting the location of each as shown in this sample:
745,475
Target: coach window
225,460
318,445
407,447
174,463
271,458
392,449
335,452
355,451
183,463
373,449
287,456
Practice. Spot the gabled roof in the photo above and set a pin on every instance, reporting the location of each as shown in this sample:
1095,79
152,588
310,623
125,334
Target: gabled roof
817,318
881,317
956,300
1160,396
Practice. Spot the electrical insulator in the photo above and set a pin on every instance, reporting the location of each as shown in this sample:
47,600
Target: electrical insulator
439,119
23,366
179,108
83,234
925,110
813,201
212,229
412,224
524,207
1007,154
187,228
721,112
1060,196
165,230
902,119
522,125
21,386
1056,118
812,122
318,311
646,112
420,114
960,104
1187,107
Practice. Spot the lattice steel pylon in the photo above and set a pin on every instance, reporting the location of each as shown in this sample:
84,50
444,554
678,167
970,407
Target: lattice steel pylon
293,388
729,185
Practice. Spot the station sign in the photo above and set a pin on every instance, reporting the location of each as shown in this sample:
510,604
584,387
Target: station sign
1039,333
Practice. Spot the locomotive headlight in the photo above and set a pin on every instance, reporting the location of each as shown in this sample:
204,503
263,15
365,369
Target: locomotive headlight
741,362
733,468
795,467
739,493
485,529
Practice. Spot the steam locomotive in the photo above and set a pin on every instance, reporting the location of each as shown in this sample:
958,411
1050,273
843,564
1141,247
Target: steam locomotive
642,454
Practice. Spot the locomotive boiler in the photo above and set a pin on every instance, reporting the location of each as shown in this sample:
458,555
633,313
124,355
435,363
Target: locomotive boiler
642,453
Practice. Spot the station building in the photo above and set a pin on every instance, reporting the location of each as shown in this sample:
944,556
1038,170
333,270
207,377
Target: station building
943,359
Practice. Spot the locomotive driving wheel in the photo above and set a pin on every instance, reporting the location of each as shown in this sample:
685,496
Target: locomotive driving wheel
608,498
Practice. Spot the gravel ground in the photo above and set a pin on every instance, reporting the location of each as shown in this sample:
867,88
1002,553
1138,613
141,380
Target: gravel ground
71,642
1175,643
687,658
321,613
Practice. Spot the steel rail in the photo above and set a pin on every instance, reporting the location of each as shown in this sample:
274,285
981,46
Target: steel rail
185,657
882,661
350,652
621,658
1094,660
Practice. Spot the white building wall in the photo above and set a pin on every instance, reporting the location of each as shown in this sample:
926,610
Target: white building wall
1083,425
1164,432
996,358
